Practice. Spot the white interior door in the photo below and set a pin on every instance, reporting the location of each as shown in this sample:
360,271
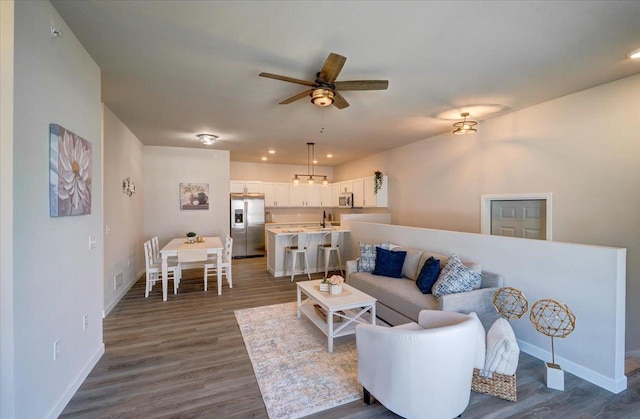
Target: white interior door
519,218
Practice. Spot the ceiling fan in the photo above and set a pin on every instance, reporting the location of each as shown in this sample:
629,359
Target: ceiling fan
324,90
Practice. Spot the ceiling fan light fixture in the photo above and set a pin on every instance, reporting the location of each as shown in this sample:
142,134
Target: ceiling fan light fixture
465,127
322,97
207,139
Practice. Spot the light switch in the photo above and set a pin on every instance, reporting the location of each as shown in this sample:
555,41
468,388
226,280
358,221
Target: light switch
92,242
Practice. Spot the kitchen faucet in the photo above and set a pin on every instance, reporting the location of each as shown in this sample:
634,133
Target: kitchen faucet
324,219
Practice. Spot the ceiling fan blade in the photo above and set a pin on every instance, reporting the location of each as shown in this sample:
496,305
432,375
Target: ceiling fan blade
362,85
299,96
332,67
285,78
339,101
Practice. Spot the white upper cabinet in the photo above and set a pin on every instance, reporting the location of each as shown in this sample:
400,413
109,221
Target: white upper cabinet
276,194
304,195
358,193
245,186
346,186
326,197
335,194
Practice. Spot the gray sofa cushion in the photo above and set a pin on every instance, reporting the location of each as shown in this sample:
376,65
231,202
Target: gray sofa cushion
411,261
405,298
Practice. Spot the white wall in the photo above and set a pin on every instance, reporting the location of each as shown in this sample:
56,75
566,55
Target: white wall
164,169
57,278
268,172
6,210
123,216
579,147
589,279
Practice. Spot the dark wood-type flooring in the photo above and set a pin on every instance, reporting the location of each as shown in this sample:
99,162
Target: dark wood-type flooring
185,358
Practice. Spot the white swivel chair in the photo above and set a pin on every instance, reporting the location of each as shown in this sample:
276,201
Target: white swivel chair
298,246
211,267
419,370
154,270
326,249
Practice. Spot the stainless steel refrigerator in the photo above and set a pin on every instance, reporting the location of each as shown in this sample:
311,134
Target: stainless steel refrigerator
247,224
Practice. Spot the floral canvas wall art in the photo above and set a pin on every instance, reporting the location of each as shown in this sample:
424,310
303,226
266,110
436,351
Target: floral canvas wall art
69,173
194,196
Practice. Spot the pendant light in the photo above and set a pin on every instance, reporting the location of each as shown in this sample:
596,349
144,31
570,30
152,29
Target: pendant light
465,127
310,176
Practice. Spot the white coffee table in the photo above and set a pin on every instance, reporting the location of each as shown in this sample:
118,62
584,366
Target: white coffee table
357,306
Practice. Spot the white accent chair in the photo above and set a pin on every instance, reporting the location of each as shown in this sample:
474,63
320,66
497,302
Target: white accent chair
297,247
419,370
154,270
211,267
326,249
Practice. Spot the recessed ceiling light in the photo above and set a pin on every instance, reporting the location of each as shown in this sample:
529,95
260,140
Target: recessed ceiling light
264,158
635,55
272,151
329,156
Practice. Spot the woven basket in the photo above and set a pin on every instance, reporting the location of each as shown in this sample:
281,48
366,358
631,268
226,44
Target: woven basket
499,385
323,314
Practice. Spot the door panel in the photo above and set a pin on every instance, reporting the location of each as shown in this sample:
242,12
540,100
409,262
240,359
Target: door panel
519,218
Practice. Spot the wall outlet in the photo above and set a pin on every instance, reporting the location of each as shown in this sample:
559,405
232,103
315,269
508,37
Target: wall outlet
85,322
117,281
56,349
92,242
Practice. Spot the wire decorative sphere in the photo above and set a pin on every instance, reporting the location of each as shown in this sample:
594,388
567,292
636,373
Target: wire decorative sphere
552,318
510,303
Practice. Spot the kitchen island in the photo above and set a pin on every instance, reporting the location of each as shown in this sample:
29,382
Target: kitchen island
280,237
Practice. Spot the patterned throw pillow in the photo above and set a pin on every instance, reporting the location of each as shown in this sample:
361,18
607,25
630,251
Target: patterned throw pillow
367,262
455,277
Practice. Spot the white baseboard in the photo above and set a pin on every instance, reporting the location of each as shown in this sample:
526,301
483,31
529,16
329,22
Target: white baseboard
75,385
120,294
607,383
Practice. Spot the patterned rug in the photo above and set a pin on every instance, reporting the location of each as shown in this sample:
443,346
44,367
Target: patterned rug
296,374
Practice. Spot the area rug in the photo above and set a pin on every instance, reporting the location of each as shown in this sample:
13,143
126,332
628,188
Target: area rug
296,374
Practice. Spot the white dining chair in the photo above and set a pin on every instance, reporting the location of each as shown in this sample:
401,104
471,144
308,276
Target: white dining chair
298,247
155,248
154,270
328,248
211,266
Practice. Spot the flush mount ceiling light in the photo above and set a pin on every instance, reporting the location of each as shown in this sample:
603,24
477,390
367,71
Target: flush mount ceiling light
310,176
322,96
207,139
464,127
634,55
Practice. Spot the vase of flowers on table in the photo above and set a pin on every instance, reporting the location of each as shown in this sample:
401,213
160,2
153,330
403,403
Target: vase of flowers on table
336,282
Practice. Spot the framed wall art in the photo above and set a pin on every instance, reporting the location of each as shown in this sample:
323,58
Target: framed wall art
69,173
194,196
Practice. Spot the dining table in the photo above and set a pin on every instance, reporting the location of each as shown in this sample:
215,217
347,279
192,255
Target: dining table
213,245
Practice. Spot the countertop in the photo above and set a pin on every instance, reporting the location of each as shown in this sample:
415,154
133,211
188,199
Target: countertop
282,231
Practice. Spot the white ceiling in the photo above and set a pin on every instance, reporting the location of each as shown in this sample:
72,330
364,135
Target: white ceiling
171,69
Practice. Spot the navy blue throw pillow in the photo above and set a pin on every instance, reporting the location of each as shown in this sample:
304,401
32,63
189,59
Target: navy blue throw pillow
389,263
428,275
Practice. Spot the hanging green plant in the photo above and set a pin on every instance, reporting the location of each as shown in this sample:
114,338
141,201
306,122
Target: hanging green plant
378,182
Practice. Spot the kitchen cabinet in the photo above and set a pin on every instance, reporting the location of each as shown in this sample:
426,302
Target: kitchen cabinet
303,195
335,194
326,199
346,186
276,194
245,186
358,193
372,199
